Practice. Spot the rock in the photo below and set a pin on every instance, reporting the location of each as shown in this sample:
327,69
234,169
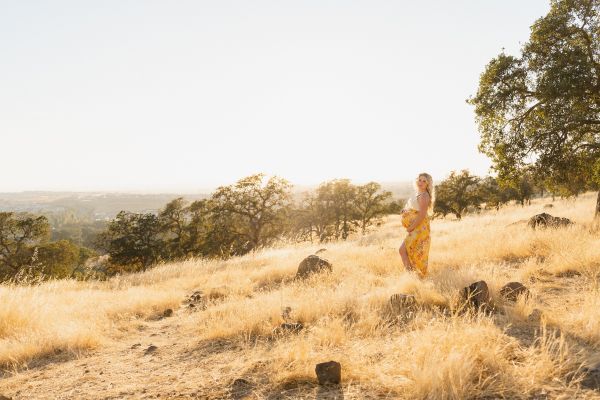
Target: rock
536,316
512,290
320,251
545,220
402,302
548,205
151,349
591,377
476,295
168,313
135,346
2,397
312,264
241,388
286,313
329,372
196,297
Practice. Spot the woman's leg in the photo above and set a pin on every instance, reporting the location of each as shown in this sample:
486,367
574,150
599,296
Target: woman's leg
404,255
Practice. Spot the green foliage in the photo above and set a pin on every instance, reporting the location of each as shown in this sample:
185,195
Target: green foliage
134,241
457,193
247,215
542,108
19,234
338,208
58,259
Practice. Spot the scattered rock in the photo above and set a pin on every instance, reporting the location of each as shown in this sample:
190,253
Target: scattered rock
535,316
512,290
329,372
168,313
313,264
476,295
591,377
241,388
196,296
320,251
545,220
402,302
286,313
151,349
191,305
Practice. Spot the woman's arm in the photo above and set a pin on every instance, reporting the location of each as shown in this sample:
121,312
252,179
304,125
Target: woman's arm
423,205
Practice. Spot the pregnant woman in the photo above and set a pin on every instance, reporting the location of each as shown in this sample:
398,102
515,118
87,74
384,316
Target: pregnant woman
415,218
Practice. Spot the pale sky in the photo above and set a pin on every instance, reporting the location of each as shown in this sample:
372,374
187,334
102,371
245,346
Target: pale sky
186,95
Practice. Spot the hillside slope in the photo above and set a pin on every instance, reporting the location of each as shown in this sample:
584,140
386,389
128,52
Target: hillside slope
92,340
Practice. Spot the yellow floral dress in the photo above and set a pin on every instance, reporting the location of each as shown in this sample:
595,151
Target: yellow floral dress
418,241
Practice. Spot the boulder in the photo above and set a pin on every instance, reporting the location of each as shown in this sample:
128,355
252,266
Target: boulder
313,264
168,313
151,349
545,220
512,290
591,377
329,372
476,295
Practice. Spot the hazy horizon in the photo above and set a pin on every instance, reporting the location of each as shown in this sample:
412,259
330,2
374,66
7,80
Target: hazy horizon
159,97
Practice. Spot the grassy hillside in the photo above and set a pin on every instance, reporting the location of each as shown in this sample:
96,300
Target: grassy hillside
91,339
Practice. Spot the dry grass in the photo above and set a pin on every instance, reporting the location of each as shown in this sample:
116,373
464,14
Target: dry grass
434,353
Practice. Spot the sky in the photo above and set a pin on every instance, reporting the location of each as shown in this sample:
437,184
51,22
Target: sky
183,96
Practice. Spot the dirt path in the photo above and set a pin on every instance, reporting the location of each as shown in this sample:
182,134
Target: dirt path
160,360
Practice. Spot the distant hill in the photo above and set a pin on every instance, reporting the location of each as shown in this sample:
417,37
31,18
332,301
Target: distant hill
106,205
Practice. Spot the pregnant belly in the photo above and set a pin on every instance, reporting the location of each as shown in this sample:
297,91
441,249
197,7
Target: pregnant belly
408,216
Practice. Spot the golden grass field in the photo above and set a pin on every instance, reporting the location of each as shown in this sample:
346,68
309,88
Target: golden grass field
89,340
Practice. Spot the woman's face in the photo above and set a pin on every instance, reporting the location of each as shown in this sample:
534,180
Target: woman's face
422,183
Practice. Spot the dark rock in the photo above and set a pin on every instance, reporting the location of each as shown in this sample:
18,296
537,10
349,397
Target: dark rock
151,349
241,388
135,346
536,316
548,205
512,290
168,313
476,295
329,372
545,220
286,313
313,264
191,305
402,302
591,377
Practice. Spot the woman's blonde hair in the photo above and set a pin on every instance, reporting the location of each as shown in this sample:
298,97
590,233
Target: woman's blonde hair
430,188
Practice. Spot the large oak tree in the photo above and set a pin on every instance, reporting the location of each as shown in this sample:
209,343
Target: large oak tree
542,107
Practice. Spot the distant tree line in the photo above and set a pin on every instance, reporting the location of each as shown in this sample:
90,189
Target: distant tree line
250,214
27,252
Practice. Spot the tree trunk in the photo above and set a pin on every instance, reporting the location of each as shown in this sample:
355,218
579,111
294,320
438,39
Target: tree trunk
597,214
